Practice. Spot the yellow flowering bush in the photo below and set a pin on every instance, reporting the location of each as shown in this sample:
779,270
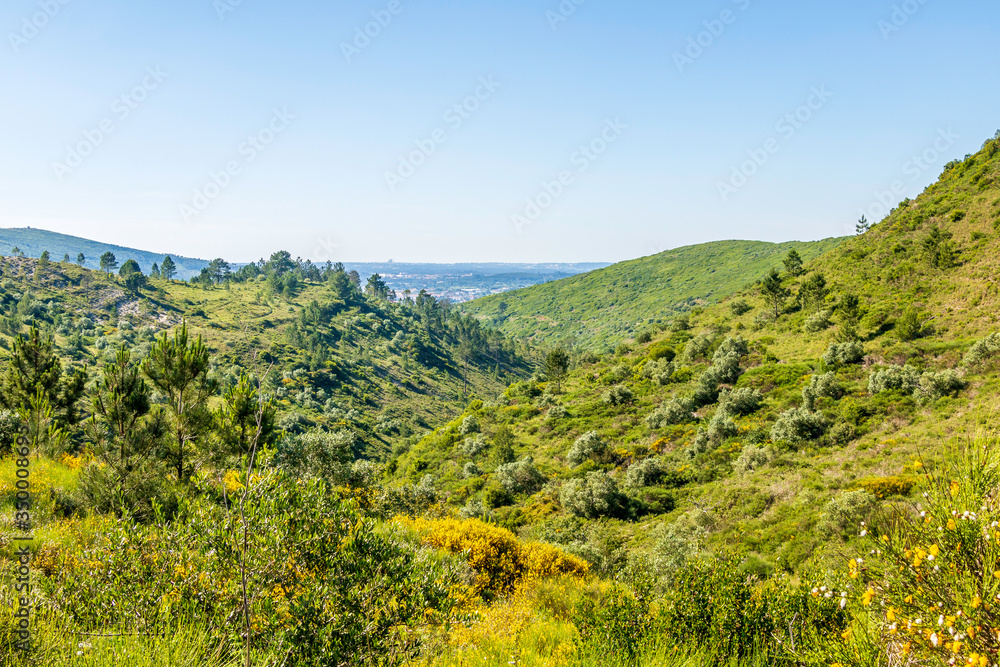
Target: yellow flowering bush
885,487
930,583
498,557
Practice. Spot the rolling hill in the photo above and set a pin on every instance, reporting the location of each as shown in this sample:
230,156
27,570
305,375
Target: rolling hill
601,308
32,242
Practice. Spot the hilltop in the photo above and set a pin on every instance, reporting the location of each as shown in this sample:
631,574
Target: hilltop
601,308
32,242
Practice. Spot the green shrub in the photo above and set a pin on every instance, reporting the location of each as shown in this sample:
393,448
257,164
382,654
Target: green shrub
819,321
696,348
469,425
588,446
820,386
909,326
520,477
646,472
983,351
592,497
497,495
844,513
843,354
741,402
740,307
475,445
669,413
893,378
798,425
661,350
617,396
752,458
933,386
661,372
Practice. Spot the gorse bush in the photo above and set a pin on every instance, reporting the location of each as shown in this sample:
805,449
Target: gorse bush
592,497
587,446
844,354
928,582
798,425
498,558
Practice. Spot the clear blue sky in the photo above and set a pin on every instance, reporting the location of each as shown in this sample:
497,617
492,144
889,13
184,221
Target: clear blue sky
320,188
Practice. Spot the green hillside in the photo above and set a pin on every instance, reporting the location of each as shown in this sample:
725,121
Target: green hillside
33,242
601,308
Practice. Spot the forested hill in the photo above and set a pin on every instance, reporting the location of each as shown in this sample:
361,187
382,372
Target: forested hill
338,357
33,242
601,308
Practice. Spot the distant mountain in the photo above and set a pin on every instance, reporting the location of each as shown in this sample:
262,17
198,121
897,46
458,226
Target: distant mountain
603,307
32,242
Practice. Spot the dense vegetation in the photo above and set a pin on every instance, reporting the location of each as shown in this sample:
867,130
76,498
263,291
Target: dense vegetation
600,309
803,473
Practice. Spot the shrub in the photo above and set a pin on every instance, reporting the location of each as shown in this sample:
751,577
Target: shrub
497,495
592,497
644,337
741,402
498,558
646,472
722,427
933,386
752,458
475,509
620,395
469,425
843,354
474,446
726,360
945,554
820,386
471,470
322,454
819,321
696,348
983,351
909,326
557,412
740,307
587,446
844,513
798,425
886,487
893,378
660,372
520,477
661,351
669,413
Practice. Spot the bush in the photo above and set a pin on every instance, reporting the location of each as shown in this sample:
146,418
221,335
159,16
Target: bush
595,496
469,425
886,487
557,412
909,326
497,495
321,454
646,472
726,360
661,372
475,509
620,395
740,307
983,351
722,427
644,337
893,378
498,558
471,470
741,402
587,446
669,413
798,425
474,446
818,322
844,513
843,354
696,348
933,386
820,386
520,477
752,458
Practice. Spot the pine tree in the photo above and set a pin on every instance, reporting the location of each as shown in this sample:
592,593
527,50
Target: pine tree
245,418
863,226
108,262
168,269
178,367
556,366
81,258
774,292
793,263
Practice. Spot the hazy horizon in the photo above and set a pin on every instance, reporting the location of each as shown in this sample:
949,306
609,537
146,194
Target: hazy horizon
548,132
